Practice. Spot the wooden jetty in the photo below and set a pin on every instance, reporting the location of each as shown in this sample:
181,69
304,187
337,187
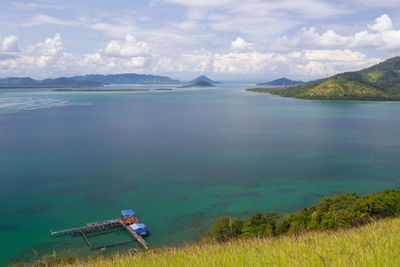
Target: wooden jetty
103,227
90,228
135,235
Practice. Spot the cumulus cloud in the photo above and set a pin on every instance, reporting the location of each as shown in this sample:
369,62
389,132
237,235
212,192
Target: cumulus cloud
9,44
34,57
130,47
48,59
322,63
241,62
380,35
382,24
336,55
240,44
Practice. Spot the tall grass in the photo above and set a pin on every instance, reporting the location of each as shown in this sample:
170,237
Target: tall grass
376,244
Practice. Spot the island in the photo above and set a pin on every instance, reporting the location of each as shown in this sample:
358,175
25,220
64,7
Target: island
203,78
197,84
86,81
281,82
101,90
379,82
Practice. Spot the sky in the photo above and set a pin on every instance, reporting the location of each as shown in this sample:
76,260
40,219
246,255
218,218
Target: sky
234,40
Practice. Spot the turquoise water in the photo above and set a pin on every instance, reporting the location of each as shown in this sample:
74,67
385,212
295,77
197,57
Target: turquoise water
179,159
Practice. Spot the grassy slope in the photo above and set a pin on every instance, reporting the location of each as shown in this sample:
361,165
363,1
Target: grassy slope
342,88
376,244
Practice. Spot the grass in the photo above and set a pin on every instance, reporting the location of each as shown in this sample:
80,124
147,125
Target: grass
376,244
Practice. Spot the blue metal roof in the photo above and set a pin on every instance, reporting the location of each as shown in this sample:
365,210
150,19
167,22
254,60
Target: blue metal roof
128,212
139,230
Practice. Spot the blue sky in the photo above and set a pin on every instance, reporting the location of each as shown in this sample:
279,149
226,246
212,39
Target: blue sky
225,39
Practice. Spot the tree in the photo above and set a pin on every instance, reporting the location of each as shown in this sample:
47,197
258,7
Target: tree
221,229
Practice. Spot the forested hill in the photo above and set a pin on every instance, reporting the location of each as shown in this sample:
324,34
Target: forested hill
203,78
88,80
379,82
281,82
127,78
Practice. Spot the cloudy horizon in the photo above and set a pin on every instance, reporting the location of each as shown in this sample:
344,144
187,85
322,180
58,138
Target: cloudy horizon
224,39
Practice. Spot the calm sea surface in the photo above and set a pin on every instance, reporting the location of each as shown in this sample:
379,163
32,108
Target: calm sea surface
179,159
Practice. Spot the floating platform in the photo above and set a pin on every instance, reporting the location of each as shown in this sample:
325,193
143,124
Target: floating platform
128,222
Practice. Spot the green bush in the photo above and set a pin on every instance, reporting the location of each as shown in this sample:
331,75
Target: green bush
339,211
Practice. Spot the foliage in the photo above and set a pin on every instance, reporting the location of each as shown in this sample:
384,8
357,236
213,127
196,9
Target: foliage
339,211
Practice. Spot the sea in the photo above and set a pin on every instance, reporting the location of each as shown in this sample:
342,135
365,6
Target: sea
179,158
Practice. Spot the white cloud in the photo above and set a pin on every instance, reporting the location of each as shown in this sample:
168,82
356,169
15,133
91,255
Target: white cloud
336,55
136,62
9,44
130,47
47,59
242,63
318,69
323,63
382,24
240,44
39,58
381,36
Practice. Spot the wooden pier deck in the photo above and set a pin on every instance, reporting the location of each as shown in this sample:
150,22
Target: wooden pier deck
135,235
102,227
90,228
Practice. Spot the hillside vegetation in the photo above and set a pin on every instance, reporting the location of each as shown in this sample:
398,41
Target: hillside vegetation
342,230
376,244
335,212
379,82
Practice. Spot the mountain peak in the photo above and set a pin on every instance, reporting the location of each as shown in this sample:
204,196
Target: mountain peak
204,79
281,82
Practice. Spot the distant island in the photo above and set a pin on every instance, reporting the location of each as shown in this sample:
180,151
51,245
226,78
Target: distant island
27,82
379,82
86,81
281,82
197,84
103,90
203,78
127,78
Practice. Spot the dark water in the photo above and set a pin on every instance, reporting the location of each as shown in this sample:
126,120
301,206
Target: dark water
179,159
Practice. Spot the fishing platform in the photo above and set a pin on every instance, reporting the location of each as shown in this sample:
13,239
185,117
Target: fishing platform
128,221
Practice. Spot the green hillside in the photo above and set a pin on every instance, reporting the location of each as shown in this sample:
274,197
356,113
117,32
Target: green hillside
376,244
341,230
379,82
